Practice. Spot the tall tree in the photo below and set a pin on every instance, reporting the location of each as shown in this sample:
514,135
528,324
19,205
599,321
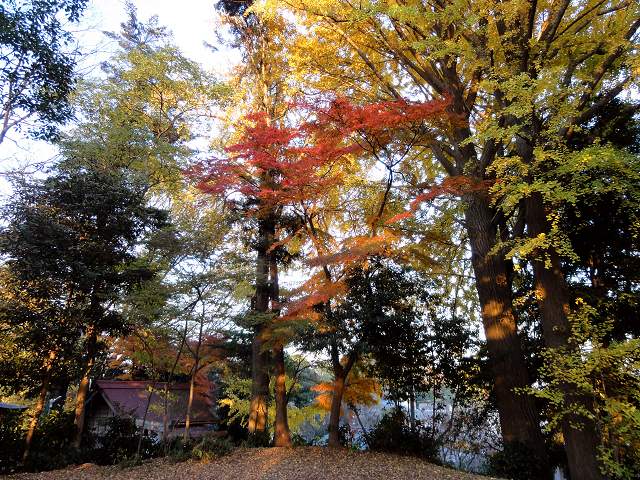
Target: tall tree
36,70
264,69
80,227
535,72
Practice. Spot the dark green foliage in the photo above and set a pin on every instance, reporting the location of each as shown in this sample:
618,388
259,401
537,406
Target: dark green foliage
51,447
36,73
516,462
347,435
258,439
234,7
70,249
207,447
120,442
11,437
394,434
179,449
211,446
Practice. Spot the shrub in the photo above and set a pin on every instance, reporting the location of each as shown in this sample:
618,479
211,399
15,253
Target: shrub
258,439
394,434
210,447
11,441
179,449
120,442
346,435
517,462
51,448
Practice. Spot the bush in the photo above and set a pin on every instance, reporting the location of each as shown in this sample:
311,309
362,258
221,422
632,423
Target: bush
51,448
210,447
394,434
120,442
179,449
258,439
517,462
11,441
346,435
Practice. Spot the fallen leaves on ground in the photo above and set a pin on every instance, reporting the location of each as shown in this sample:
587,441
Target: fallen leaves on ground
302,463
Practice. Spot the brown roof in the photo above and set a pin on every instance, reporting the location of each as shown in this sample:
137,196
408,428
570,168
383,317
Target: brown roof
131,397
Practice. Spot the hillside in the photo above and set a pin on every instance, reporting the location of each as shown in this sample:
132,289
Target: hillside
308,463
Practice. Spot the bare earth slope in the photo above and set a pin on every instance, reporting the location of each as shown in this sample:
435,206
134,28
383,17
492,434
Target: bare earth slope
308,463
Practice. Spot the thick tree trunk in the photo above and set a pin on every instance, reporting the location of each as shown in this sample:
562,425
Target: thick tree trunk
259,384
336,404
259,354
83,389
519,420
581,444
282,435
42,397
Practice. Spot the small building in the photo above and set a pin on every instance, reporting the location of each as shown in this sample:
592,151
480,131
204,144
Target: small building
10,407
131,399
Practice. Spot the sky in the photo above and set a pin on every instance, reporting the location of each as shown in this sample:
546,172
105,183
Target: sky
192,23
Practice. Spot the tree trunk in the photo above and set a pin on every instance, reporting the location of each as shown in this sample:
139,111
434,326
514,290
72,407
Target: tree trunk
412,409
192,383
282,436
83,389
581,444
167,385
259,355
144,418
42,397
519,419
336,404
259,384
187,420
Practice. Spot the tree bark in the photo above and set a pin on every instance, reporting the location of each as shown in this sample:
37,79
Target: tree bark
336,404
282,435
187,420
83,389
519,418
42,397
259,385
340,374
581,444
192,382
259,354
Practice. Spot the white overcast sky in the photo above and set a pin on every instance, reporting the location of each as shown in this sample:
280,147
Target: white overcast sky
192,23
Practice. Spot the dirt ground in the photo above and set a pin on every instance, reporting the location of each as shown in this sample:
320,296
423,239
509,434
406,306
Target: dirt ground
305,463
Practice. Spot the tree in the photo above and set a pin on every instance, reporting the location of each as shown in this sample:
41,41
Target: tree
36,73
78,229
262,82
535,73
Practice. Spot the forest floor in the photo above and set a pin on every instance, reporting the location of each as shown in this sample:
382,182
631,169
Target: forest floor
303,463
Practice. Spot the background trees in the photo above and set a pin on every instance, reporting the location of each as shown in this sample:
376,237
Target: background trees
385,177
37,70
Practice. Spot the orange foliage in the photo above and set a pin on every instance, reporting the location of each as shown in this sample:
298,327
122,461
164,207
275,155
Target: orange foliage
276,165
359,390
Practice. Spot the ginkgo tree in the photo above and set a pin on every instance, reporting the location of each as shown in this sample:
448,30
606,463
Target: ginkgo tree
521,76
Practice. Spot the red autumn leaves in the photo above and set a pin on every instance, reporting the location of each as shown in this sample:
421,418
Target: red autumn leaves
275,164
